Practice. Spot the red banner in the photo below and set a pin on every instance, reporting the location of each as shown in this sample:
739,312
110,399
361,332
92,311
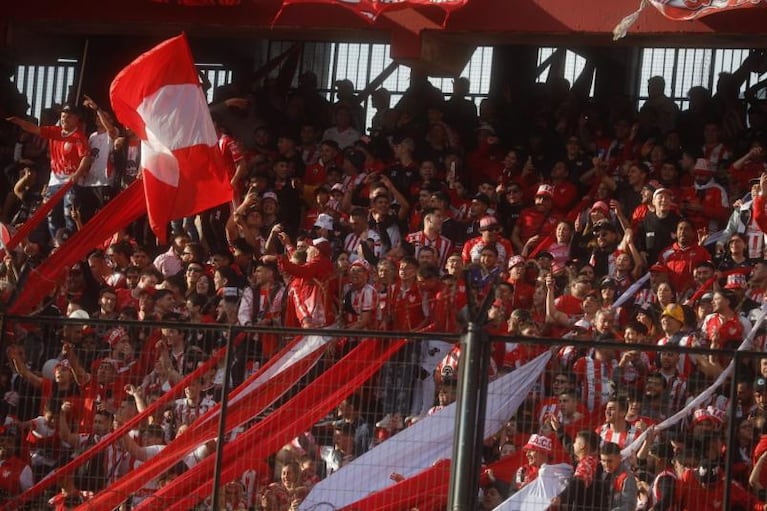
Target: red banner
38,216
125,208
692,9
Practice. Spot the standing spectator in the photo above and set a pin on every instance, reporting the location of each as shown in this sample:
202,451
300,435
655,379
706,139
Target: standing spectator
683,256
98,187
70,160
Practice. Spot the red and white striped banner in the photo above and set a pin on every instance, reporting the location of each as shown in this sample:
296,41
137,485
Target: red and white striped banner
683,10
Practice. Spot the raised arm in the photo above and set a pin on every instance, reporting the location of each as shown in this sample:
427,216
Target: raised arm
103,116
16,356
27,126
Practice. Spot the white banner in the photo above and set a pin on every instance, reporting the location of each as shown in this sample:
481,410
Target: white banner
420,445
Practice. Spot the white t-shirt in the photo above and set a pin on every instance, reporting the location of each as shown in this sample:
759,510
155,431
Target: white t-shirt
102,167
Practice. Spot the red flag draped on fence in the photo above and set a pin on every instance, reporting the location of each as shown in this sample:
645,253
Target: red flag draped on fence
158,97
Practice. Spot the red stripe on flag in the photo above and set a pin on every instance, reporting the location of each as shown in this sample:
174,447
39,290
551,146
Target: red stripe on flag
41,214
269,435
203,184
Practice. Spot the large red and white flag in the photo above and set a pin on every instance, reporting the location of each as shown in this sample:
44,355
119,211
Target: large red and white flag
158,97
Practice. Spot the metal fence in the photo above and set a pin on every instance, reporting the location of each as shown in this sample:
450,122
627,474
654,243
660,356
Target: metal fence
131,412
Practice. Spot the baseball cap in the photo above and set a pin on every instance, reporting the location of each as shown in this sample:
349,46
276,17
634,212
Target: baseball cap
660,191
515,260
487,221
481,197
270,195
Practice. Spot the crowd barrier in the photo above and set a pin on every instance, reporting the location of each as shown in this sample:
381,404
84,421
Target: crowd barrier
336,419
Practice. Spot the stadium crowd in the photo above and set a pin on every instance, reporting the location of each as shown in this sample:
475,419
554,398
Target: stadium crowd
557,204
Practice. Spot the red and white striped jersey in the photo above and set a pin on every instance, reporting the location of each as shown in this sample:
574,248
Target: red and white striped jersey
686,362
607,434
186,413
586,469
593,379
352,242
441,245
473,247
357,301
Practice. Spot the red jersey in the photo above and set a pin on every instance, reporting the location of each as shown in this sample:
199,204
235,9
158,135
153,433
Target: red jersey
473,247
681,262
409,309
532,222
593,378
67,151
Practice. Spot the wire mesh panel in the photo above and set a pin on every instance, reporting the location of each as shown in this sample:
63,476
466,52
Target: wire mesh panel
131,413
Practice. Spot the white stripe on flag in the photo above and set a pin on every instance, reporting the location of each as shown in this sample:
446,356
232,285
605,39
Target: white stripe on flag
420,445
183,119
537,495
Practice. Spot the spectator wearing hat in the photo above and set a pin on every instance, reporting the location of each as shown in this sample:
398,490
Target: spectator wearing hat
658,228
479,207
360,299
538,451
682,256
15,473
705,203
70,160
538,220
522,292
490,234
431,236
673,323
362,242
736,255
645,205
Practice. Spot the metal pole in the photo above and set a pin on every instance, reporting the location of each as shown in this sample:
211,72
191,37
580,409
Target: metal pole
731,432
81,73
470,407
222,421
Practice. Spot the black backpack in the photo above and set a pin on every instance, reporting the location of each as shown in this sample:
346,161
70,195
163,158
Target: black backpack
91,475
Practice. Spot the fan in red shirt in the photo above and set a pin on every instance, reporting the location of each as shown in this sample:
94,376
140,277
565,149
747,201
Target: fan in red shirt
537,220
683,256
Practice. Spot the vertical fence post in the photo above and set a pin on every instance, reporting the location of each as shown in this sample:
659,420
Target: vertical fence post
222,421
470,406
731,431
